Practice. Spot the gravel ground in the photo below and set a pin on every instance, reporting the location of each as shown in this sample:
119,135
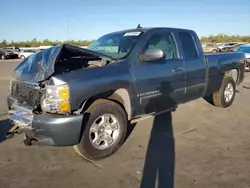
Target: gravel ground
198,145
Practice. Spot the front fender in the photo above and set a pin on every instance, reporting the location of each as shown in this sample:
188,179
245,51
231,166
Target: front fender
85,83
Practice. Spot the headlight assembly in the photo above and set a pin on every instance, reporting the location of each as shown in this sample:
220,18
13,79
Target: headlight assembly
56,99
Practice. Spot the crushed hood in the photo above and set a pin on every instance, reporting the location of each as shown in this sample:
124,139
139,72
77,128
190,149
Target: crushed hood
39,66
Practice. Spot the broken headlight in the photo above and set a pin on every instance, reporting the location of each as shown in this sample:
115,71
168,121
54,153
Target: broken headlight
56,99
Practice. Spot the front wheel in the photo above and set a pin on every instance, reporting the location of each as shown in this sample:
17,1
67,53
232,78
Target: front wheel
104,132
3,57
225,96
22,57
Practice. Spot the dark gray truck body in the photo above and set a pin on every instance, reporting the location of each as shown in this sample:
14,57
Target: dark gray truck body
143,88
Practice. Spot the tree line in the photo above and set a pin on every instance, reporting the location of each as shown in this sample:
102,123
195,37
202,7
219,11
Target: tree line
220,38
36,43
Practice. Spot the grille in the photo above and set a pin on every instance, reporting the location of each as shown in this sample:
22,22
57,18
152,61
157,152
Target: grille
26,94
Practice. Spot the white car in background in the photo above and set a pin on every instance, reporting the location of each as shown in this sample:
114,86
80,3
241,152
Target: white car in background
23,54
226,45
245,49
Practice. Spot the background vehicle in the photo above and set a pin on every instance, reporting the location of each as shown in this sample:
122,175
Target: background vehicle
246,49
7,54
87,97
15,50
210,48
23,54
226,45
232,48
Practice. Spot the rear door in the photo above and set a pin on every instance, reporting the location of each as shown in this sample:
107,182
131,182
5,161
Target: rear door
160,84
195,65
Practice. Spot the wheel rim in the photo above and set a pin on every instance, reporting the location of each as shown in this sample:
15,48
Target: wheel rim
229,92
2,57
104,131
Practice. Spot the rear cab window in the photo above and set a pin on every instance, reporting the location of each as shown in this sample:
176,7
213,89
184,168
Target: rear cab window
188,45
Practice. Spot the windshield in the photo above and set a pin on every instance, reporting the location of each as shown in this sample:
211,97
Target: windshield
243,49
116,45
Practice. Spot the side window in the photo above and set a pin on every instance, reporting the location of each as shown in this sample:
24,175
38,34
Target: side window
188,45
165,42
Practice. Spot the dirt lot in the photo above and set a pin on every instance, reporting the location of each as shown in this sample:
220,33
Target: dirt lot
198,145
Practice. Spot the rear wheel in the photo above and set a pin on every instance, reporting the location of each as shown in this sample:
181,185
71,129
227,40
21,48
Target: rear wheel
225,96
104,132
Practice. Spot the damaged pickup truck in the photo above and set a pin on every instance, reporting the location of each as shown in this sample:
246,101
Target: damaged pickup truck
87,98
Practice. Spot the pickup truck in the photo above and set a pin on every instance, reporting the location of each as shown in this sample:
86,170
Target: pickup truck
87,98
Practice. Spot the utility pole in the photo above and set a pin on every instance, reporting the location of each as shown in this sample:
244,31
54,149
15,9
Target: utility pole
67,31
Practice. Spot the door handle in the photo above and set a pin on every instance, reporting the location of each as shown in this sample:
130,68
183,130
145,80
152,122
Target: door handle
177,69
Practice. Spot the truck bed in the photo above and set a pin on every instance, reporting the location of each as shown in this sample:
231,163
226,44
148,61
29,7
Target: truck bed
218,63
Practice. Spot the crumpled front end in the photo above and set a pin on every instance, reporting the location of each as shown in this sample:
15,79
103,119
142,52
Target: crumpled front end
39,103
23,100
38,66
57,60
44,129
38,126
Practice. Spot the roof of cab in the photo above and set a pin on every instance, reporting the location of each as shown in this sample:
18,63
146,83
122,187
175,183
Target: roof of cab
144,29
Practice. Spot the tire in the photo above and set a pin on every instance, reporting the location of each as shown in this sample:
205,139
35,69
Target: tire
102,108
22,57
3,57
219,97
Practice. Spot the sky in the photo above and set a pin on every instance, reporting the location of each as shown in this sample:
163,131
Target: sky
89,19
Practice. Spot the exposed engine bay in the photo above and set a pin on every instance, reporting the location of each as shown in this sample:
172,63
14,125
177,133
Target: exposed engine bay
71,59
57,60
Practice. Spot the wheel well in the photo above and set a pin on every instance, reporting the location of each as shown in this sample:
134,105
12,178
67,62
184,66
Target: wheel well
120,96
234,73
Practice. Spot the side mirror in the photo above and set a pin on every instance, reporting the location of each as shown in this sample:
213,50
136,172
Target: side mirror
152,54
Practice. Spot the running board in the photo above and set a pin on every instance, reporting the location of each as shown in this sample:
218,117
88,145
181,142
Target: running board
147,116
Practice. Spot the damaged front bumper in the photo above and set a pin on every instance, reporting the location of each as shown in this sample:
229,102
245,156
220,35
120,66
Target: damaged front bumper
44,129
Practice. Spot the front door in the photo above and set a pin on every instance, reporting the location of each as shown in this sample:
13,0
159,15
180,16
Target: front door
160,85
